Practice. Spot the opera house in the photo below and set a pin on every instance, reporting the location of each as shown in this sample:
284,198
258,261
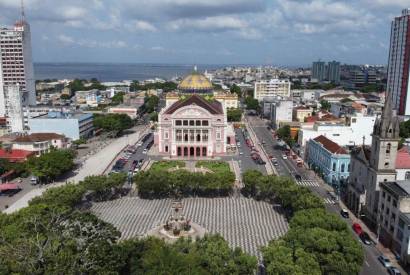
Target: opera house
193,123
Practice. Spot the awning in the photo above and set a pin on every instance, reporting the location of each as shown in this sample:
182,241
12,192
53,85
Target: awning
8,186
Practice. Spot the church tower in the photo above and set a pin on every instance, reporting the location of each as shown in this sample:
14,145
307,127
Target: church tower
385,142
385,139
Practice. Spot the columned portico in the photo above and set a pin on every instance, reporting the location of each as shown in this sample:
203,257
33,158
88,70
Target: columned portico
191,151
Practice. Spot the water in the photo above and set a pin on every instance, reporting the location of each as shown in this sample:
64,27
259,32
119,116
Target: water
114,72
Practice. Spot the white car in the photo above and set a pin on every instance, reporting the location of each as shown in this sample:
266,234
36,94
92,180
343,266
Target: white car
139,143
284,157
240,153
145,151
136,170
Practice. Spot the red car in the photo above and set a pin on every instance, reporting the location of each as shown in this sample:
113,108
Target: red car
357,228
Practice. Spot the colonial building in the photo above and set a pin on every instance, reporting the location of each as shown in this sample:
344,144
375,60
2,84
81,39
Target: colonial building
371,166
193,122
328,158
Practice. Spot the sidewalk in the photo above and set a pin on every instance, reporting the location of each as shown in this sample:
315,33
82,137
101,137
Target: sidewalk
95,165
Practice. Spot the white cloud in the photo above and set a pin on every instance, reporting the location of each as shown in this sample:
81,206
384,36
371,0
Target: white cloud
65,39
140,25
217,23
89,43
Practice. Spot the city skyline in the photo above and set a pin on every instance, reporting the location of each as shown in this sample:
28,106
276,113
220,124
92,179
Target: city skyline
209,32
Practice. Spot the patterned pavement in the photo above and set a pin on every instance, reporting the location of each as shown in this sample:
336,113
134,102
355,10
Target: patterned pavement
307,183
243,222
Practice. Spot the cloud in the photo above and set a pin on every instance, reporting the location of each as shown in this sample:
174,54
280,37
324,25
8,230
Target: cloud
140,25
89,43
217,23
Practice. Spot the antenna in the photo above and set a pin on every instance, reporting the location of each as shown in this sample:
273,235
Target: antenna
23,15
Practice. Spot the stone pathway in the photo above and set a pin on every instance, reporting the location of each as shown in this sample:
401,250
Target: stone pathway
243,222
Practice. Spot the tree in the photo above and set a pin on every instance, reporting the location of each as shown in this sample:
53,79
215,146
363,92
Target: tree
153,116
251,103
234,114
65,97
325,105
235,89
50,165
284,133
113,122
118,98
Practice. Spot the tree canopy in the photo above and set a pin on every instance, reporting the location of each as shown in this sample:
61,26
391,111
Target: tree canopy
113,122
284,133
325,105
234,114
49,166
252,103
235,89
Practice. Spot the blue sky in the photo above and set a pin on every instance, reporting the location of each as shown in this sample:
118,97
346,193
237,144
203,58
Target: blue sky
281,32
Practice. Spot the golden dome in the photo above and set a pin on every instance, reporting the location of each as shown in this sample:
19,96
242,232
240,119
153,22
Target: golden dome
195,82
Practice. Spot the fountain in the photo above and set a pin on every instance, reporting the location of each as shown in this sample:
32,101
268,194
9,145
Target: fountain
177,226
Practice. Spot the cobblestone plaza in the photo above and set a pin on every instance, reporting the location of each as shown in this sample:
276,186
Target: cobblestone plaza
243,222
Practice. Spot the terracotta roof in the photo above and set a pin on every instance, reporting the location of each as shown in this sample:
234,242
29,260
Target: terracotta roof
329,145
213,107
403,158
3,121
15,155
36,137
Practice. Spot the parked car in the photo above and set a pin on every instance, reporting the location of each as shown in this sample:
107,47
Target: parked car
344,213
284,157
365,238
145,151
357,228
393,270
332,195
298,177
240,153
384,261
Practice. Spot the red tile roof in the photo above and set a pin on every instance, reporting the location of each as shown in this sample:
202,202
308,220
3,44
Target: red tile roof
403,158
214,107
36,137
15,155
329,145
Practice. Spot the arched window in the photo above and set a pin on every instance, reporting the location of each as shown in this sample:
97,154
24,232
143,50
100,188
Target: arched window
388,148
342,169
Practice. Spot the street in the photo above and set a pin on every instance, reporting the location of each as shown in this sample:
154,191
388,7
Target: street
287,167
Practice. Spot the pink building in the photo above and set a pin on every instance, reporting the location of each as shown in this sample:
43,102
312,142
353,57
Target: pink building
193,127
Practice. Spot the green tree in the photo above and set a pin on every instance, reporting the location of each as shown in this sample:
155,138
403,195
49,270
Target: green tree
50,165
284,133
234,114
251,103
235,89
113,122
325,105
65,97
118,98
153,116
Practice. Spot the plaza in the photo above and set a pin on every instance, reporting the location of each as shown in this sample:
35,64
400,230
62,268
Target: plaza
243,222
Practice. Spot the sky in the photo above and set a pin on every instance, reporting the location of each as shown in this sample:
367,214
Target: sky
277,32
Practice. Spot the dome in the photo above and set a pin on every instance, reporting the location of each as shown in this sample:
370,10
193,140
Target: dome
195,83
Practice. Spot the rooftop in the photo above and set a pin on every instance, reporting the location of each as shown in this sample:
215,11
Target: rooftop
214,107
403,158
400,188
37,137
329,145
15,154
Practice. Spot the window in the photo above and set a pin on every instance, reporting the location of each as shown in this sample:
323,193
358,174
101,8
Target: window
198,123
394,203
393,216
166,135
178,122
185,122
388,147
334,166
205,123
166,149
386,164
343,168
401,223
192,123
387,211
218,135
407,176
399,235
353,120
391,228
388,198
382,206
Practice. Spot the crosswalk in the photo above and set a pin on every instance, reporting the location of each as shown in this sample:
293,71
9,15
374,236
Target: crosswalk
329,201
307,183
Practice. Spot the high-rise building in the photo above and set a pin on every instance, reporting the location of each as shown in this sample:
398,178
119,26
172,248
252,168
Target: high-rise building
319,70
399,62
333,72
271,88
16,65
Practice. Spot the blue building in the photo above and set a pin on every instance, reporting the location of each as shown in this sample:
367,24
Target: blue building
72,125
329,159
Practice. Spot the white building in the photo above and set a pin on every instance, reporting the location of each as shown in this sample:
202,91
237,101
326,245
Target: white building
356,131
272,88
281,111
16,66
13,103
41,143
398,73
131,111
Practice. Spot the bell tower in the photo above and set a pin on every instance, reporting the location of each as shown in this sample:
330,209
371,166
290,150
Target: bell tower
385,139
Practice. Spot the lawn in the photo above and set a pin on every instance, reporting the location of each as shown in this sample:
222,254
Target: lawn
216,166
165,165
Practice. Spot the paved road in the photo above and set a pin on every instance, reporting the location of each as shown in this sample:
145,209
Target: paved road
288,168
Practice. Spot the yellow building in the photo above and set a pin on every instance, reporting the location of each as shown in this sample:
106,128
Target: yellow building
302,112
